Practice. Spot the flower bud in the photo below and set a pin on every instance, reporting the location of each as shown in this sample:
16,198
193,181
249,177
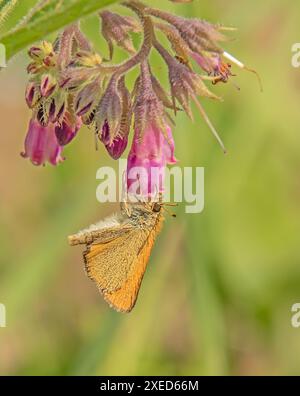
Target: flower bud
110,110
48,85
199,35
33,68
115,148
32,94
87,59
58,106
186,84
161,93
67,130
40,52
148,108
87,98
116,28
74,78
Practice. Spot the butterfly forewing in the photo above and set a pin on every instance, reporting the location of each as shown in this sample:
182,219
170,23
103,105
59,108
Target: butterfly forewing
116,258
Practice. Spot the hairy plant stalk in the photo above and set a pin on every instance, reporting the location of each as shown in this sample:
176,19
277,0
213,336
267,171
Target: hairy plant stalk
83,43
165,16
32,12
6,7
65,50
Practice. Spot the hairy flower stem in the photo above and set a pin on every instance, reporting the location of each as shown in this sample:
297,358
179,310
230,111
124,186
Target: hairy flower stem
165,16
65,46
66,43
146,81
82,41
174,20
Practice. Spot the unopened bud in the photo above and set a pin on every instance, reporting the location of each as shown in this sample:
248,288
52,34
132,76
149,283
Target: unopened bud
48,85
110,110
87,98
87,59
32,94
40,52
116,29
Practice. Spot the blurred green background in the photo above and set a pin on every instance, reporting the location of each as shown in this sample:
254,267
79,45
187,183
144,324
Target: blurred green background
218,292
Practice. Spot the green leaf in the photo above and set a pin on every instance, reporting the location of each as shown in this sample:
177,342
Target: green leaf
52,19
6,6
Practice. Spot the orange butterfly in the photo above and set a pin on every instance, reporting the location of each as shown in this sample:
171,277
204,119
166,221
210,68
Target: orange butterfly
118,251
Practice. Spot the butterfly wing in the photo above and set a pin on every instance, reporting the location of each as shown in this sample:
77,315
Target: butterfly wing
118,266
104,231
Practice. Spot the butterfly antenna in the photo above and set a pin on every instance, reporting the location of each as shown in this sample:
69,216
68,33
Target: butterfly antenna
234,85
165,207
169,212
170,204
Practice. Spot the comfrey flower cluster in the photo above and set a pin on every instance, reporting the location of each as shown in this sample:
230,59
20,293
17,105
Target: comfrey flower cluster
71,85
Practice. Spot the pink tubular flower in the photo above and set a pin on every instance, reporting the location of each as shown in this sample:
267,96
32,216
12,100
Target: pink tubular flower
115,148
67,130
147,161
41,144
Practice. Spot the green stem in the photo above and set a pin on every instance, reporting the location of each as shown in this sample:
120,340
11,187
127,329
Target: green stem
26,35
6,6
39,6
